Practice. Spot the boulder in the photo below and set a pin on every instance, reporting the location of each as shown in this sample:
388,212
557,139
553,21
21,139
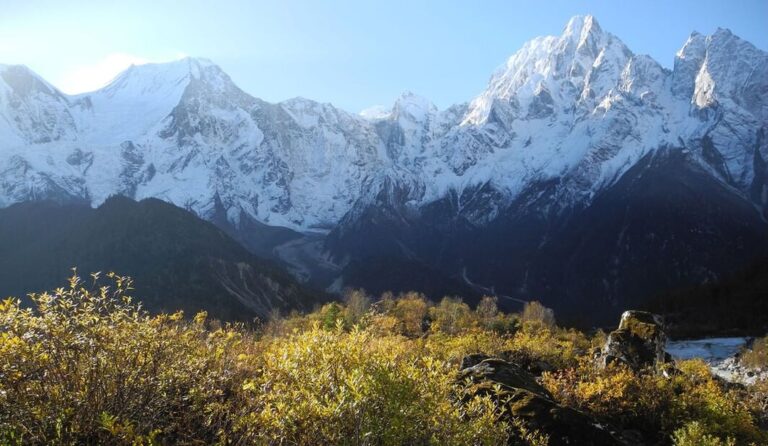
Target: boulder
520,398
502,372
472,360
638,342
529,362
520,359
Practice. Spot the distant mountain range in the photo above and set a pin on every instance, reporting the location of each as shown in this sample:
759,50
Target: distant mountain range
585,176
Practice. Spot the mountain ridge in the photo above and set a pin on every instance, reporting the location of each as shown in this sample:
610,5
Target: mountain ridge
561,123
178,261
455,147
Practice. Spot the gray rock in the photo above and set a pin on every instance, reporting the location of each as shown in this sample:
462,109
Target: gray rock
520,397
638,342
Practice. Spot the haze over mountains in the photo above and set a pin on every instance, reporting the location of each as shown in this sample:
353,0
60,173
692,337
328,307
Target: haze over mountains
584,175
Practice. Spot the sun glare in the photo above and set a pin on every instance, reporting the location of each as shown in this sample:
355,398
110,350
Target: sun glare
90,77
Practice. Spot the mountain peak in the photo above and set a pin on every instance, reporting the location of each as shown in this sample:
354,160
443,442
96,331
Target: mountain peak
153,88
376,112
582,25
407,103
31,109
411,98
199,61
584,34
413,105
722,32
171,72
578,66
23,80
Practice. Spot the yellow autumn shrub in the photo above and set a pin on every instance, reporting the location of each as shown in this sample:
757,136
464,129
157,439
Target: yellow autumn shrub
700,397
693,434
337,387
653,403
557,347
85,365
757,356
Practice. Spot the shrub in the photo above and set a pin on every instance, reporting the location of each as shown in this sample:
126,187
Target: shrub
451,316
357,305
757,356
487,310
694,434
322,387
535,312
756,399
616,395
698,396
86,365
454,348
332,315
655,404
558,348
411,310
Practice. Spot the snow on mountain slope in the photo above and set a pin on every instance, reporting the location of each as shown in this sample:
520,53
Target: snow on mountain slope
31,110
579,108
725,82
109,115
579,104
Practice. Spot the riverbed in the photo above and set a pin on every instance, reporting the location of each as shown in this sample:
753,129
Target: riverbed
720,354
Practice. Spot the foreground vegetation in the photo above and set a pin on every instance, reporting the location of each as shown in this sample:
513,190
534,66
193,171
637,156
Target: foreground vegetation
85,365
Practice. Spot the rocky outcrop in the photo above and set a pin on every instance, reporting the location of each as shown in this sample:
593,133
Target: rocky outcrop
521,399
638,342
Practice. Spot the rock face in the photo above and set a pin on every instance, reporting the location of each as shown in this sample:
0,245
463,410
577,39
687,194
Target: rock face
638,342
522,398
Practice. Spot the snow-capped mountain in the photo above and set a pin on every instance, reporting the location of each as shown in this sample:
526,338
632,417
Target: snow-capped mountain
559,127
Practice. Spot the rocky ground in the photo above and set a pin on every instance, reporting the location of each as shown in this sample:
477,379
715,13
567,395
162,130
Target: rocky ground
722,354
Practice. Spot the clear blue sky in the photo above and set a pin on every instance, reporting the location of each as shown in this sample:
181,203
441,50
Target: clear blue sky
351,53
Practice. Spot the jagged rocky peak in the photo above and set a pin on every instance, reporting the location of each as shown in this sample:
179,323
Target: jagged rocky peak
739,72
160,84
578,105
585,33
577,67
408,105
722,67
375,112
688,60
312,114
414,106
643,78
